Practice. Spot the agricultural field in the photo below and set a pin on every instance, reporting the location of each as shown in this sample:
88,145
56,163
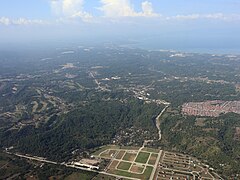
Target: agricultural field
129,156
130,162
149,163
124,166
142,157
152,159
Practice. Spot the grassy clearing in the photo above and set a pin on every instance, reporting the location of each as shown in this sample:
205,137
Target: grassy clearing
124,166
103,148
130,148
120,154
113,165
108,153
146,175
152,159
129,156
147,172
142,157
151,150
137,169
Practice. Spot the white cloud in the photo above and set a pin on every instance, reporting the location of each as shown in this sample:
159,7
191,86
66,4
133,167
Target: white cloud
123,8
215,16
70,9
56,6
148,9
21,21
116,8
5,21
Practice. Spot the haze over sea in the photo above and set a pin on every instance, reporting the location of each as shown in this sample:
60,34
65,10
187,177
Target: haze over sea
193,26
191,46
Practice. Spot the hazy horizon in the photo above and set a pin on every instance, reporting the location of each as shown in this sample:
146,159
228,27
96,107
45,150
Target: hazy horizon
204,26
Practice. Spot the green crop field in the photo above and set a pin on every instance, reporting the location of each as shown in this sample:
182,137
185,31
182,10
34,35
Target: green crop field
152,159
145,175
124,166
142,157
129,157
128,163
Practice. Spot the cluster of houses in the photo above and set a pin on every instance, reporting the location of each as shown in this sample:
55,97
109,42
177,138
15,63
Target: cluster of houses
211,108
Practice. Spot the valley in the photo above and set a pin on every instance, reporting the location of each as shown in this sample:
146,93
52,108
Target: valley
160,115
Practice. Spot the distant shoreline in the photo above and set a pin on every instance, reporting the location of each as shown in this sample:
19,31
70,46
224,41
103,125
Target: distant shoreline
219,51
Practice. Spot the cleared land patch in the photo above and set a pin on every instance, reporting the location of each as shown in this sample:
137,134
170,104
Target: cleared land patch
130,148
109,153
237,134
113,164
137,169
152,159
35,106
122,162
43,107
172,165
129,156
200,122
101,149
120,154
124,165
146,174
142,157
151,150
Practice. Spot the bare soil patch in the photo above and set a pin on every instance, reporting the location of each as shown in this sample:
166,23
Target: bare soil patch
113,164
152,159
120,154
137,169
237,134
200,122
129,156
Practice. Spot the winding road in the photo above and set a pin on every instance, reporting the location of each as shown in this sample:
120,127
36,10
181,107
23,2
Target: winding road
158,122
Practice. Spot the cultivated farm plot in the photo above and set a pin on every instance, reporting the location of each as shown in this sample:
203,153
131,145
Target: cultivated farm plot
120,154
137,168
134,162
113,164
124,165
142,157
152,159
129,156
132,173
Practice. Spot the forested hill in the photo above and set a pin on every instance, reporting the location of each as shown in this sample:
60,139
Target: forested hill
92,125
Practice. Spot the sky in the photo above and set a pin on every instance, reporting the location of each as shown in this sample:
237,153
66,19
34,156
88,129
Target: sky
166,24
